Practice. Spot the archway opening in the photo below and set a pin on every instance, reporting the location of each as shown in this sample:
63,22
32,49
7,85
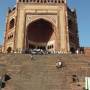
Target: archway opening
9,50
11,24
72,49
39,32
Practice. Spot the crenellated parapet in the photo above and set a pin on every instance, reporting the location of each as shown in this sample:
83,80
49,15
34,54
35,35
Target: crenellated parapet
42,1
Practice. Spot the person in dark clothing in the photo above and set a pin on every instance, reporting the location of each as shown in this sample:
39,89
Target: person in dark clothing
75,78
6,77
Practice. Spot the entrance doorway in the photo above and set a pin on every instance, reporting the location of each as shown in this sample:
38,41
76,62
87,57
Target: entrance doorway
9,50
72,49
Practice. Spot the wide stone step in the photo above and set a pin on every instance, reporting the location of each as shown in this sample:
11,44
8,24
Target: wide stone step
41,73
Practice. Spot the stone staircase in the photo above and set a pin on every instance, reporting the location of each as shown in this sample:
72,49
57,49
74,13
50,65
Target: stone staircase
40,73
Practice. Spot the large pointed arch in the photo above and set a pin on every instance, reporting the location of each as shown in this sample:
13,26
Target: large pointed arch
39,32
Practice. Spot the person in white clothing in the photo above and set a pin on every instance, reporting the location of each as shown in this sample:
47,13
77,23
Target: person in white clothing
59,64
77,51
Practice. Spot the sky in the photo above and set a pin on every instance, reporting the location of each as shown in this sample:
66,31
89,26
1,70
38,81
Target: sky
83,18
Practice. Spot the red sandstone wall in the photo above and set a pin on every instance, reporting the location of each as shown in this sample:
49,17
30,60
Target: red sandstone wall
8,30
87,51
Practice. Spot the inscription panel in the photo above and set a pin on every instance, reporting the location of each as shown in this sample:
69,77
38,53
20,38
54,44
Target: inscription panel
49,17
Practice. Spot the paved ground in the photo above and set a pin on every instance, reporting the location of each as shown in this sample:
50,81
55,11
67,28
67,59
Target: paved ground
40,73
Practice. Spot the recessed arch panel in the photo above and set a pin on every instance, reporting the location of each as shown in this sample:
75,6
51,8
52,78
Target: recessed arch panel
39,31
11,23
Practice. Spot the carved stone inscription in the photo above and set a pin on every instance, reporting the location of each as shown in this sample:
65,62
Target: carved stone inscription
49,17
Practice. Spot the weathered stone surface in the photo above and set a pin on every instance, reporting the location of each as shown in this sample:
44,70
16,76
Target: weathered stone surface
87,51
42,74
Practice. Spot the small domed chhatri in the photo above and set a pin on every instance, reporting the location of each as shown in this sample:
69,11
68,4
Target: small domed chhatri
49,25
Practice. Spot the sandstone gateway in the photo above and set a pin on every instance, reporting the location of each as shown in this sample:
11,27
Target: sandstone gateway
43,24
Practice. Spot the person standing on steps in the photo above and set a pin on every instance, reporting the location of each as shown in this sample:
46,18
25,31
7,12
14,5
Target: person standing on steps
59,64
77,51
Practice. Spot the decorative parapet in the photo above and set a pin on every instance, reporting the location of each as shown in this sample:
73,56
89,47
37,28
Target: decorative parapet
41,1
